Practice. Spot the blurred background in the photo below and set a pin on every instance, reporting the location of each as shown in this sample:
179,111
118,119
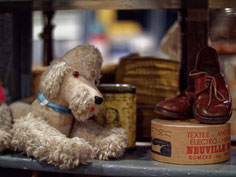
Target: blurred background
115,33
118,33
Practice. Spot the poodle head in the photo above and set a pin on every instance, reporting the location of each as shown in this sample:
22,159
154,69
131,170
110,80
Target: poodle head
73,78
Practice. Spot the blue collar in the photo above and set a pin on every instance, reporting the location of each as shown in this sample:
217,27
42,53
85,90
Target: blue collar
58,108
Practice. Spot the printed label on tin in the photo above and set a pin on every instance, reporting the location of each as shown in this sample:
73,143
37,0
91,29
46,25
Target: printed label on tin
208,145
119,110
190,142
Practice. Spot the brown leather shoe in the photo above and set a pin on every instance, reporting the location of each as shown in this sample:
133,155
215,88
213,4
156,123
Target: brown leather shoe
212,102
179,107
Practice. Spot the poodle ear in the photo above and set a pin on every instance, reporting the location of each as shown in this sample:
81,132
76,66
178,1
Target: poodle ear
52,78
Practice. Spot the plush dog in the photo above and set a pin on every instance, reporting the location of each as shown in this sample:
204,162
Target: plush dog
5,127
57,129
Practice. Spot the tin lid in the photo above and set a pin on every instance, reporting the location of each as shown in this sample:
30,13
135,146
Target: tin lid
117,88
186,123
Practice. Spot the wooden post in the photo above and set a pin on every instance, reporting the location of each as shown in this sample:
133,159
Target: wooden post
194,34
15,49
47,37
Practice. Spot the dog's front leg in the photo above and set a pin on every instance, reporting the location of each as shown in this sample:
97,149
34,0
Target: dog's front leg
36,138
107,143
5,138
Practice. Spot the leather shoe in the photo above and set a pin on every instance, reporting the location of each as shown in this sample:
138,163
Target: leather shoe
212,101
179,107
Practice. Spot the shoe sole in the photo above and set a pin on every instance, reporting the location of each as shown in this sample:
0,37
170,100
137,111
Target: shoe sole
211,120
171,115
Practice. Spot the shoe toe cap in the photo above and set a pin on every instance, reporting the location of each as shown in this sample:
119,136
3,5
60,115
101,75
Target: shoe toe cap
174,105
214,110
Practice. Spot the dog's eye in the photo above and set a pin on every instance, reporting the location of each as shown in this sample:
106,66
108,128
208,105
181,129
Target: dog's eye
76,74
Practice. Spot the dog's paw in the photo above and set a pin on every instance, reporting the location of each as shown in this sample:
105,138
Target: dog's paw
72,153
5,139
112,146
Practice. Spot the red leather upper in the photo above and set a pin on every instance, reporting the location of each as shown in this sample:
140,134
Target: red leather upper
212,98
216,107
181,104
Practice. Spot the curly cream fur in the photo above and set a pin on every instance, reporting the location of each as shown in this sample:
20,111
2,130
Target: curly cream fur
51,136
52,78
38,139
107,143
5,127
5,138
87,54
19,109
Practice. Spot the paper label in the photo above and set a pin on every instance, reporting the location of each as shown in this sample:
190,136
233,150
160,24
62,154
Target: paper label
190,144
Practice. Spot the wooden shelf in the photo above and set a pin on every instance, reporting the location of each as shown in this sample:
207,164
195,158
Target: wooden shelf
107,4
131,4
136,162
122,4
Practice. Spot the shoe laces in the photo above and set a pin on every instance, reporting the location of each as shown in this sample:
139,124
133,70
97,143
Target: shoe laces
212,86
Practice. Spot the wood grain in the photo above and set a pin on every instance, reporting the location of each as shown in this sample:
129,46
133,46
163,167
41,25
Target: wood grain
108,4
120,4
128,4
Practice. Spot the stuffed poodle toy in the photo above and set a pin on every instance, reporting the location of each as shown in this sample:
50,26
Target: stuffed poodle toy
56,129
5,127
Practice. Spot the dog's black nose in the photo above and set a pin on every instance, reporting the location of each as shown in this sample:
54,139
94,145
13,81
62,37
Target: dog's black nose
98,100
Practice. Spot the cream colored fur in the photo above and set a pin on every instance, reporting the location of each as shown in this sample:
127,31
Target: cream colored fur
66,140
19,109
5,127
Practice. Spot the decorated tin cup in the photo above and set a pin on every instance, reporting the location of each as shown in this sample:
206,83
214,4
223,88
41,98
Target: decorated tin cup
119,109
